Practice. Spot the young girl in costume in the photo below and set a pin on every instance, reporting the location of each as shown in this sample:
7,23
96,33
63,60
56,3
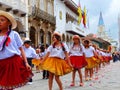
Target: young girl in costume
45,72
14,68
54,61
77,58
89,53
36,61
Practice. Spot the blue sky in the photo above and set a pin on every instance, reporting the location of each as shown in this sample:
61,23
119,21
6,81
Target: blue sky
110,10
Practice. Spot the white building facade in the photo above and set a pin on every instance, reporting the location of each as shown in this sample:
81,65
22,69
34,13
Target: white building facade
19,9
66,15
41,21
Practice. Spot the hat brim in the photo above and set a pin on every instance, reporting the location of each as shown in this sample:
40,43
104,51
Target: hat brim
76,37
56,33
27,41
10,18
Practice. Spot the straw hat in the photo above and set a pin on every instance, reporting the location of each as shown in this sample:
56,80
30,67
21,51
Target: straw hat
76,37
57,33
27,40
10,18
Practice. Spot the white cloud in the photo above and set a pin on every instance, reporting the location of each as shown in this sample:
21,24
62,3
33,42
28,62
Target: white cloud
109,9
111,18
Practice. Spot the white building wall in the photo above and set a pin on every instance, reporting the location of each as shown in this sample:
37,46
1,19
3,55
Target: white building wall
21,7
60,23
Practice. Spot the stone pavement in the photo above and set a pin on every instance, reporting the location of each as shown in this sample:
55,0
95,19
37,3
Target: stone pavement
108,78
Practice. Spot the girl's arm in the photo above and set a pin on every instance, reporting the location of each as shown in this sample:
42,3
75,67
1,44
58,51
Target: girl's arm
24,58
84,55
67,58
45,57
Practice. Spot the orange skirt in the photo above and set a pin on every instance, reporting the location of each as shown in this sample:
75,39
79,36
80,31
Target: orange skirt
56,66
36,62
91,63
13,73
97,60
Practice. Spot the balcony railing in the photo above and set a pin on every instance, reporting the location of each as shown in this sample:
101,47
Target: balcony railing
36,12
71,27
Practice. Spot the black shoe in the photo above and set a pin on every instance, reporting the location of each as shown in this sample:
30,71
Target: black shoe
43,78
46,78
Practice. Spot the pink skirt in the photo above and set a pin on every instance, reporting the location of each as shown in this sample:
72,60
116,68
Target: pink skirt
13,73
78,62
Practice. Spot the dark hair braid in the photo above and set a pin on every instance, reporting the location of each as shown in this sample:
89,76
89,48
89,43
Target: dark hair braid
8,33
63,48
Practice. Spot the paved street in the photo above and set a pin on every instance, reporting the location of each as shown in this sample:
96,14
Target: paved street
108,78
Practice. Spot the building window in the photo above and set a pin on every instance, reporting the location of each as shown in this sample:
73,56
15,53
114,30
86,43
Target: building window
31,2
50,10
48,38
63,38
32,35
42,5
41,36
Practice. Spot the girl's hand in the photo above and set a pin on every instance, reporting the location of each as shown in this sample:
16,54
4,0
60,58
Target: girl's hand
68,60
70,65
28,66
41,61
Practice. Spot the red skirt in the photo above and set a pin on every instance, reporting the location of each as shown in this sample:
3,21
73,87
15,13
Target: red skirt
13,73
78,62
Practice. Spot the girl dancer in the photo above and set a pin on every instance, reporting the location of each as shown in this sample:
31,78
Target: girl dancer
54,61
89,53
77,58
14,68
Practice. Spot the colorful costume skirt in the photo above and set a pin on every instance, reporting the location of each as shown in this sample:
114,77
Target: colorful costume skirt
56,66
97,60
91,63
110,58
36,62
78,62
13,73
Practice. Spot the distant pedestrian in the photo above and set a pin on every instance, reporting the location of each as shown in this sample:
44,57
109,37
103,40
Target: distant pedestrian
14,68
115,56
45,72
36,61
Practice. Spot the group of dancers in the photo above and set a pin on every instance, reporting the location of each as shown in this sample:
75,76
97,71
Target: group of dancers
60,60
16,57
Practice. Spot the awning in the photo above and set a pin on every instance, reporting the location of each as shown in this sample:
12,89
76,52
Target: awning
75,33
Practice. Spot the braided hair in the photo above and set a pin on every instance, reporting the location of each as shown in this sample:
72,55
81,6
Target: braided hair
8,33
59,39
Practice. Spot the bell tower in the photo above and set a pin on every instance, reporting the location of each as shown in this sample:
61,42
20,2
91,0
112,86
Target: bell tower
101,27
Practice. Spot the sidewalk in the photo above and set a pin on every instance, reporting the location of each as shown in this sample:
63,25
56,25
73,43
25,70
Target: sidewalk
108,78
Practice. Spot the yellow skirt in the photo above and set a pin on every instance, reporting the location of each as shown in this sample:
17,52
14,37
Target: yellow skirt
97,60
57,66
91,63
36,62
